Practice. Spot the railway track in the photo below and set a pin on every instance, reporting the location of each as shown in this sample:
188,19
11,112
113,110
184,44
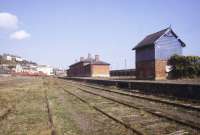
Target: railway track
154,112
131,94
185,108
127,126
50,119
153,120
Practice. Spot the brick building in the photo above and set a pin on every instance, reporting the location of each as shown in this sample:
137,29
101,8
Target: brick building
153,52
89,67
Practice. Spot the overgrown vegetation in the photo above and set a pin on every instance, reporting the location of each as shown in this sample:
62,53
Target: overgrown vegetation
185,66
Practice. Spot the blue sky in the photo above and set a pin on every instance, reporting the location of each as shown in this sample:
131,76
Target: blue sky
56,32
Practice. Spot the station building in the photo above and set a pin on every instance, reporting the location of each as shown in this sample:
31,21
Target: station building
89,67
153,52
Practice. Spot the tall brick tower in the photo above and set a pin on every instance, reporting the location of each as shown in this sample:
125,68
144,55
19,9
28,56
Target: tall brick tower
153,52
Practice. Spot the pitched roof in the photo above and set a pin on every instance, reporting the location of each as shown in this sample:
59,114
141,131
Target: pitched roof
94,62
100,63
91,61
150,39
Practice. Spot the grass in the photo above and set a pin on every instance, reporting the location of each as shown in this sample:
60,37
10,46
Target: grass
28,116
28,113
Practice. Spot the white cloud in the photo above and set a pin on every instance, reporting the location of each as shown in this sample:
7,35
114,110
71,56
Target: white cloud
20,35
8,21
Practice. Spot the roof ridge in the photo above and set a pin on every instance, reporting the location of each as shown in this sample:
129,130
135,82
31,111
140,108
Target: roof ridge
151,38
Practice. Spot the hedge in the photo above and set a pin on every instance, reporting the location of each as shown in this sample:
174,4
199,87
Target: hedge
185,66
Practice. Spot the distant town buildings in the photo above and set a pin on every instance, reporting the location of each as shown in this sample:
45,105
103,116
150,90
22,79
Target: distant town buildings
15,65
30,69
10,57
45,69
5,69
153,52
59,72
89,67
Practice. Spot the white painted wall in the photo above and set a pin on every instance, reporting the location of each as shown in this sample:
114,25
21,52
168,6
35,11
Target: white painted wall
45,69
18,68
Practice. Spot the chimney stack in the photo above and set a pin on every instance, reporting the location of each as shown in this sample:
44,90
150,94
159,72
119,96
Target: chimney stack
81,58
97,58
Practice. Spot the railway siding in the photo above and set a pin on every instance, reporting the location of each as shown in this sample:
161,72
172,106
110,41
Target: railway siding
41,106
156,104
152,112
134,94
72,116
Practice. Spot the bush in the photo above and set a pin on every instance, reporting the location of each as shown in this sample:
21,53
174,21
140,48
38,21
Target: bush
185,66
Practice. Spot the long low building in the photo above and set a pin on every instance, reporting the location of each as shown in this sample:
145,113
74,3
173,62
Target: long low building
123,72
89,67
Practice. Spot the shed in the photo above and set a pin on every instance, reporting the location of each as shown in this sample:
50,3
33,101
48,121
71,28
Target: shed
153,52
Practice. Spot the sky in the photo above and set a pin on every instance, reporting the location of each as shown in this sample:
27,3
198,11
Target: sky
58,32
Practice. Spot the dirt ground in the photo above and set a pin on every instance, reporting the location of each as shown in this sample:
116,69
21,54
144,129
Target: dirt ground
24,110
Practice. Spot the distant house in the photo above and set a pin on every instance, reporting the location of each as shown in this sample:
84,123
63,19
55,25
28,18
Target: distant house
89,67
7,57
59,72
25,69
153,52
32,69
45,69
10,57
5,69
18,68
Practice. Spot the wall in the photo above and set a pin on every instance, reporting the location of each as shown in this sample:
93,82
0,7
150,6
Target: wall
146,53
167,46
88,70
123,72
45,70
145,65
100,70
79,70
183,91
145,69
155,69
160,69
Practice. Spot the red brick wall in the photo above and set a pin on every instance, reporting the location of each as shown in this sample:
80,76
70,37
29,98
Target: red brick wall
154,69
145,69
79,70
160,69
